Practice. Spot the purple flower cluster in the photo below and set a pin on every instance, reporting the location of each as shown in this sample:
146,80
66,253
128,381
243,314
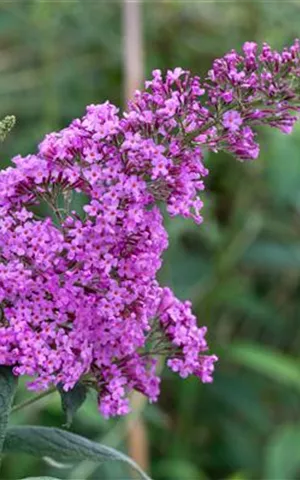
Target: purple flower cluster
78,288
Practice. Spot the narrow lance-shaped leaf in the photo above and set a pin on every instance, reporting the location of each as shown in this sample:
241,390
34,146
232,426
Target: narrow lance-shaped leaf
62,445
72,400
8,385
277,366
40,478
282,453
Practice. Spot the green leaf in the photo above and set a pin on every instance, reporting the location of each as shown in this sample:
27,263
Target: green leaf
280,368
244,454
72,400
243,399
61,445
237,476
40,478
8,385
283,176
273,255
177,469
282,454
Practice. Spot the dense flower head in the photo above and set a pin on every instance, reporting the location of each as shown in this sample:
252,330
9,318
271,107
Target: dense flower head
79,293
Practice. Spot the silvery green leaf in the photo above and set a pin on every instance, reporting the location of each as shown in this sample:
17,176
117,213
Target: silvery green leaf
62,446
8,385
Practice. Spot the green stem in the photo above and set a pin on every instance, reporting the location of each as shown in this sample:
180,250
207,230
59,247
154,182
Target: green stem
8,386
32,400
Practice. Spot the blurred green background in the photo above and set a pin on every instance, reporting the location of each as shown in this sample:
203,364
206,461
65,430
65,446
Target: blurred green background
241,268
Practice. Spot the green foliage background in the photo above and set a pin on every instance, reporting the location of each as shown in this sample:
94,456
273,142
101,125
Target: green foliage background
241,268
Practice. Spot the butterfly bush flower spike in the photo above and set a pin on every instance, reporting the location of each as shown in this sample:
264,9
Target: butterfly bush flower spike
80,299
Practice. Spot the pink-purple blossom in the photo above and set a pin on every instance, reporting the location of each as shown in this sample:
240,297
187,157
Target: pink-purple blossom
232,120
79,293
